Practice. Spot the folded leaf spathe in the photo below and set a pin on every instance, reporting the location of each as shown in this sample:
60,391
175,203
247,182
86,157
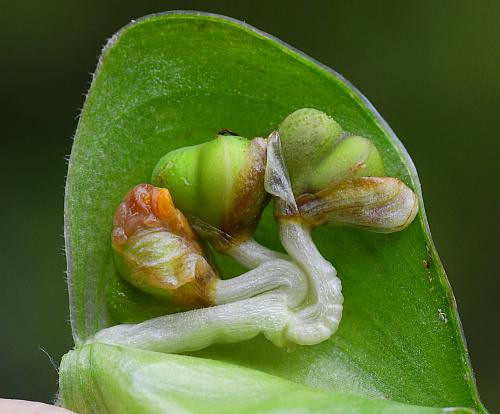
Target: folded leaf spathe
118,143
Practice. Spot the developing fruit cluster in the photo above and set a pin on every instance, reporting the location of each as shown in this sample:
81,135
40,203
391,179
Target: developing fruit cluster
168,295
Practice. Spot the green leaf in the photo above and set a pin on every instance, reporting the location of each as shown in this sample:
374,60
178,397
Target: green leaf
176,79
103,378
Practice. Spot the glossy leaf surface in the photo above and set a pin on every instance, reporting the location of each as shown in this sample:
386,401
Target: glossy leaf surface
173,80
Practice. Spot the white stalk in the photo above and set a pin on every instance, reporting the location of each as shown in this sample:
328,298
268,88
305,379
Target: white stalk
196,329
252,254
263,300
273,275
320,319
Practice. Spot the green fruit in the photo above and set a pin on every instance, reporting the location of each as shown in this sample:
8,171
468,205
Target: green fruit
221,164
219,182
307,136
318,153
178,171
351,157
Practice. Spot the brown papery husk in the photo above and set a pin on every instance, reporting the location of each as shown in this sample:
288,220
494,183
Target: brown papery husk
379,204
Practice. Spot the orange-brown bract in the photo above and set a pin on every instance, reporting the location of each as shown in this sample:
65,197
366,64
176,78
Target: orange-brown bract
156,250
146,206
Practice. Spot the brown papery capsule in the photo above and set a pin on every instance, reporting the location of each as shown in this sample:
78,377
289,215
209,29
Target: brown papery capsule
380,204
156,250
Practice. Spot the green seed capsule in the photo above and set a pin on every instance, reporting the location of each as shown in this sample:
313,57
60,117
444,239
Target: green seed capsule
351,157
338,179
178,171
307,137
220,183
318,153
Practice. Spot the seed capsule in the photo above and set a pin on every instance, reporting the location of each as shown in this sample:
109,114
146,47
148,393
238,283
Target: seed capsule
318,153
219,183
156,250
338,178
381,204
307,136
351,157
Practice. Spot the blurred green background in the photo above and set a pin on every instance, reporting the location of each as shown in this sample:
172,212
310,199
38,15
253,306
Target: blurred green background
431,68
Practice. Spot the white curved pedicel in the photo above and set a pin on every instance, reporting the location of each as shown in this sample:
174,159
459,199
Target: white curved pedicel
320,319
189,331
280,276
251,254
271,299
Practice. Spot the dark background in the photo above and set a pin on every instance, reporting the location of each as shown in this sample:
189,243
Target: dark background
432,69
